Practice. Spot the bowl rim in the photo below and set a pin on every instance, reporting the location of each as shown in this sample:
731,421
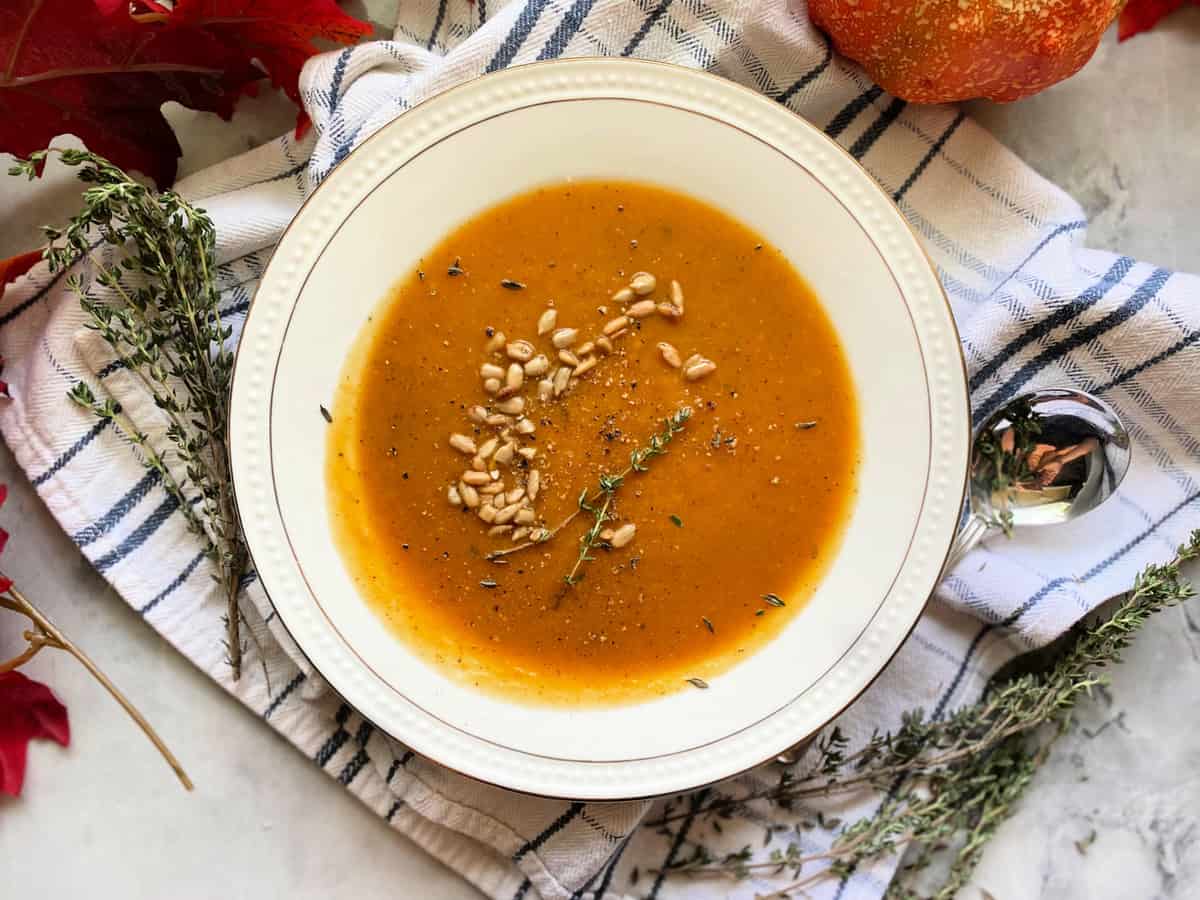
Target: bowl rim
829,143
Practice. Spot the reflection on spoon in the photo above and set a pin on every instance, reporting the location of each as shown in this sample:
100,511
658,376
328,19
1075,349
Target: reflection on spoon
1043,459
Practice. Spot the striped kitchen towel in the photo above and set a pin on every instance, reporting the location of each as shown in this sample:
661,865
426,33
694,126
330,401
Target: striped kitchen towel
1034,307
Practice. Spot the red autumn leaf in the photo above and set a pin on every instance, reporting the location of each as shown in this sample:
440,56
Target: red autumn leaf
1142,15
101,69
277,33
15,266
71,69
27,710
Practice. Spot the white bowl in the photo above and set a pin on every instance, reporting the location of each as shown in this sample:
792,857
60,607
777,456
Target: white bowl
465,150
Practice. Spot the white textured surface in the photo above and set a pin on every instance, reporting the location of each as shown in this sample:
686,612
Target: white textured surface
107,818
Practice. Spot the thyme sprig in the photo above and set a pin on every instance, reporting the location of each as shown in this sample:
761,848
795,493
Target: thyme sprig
154,254
600,502
948,783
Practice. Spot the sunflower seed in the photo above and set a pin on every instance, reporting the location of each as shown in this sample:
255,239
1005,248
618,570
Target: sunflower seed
624,295
537,367
545,389
514,406
520,533
698,370
521,351
526,516
546,321
470,496
514,496
692,360
498,530
585,348
615,325
491,370
507,514
488,447
492,489
603,344
498,500
476,478
495,342
643,283
677,296
566,357
462,444
561,379
584,366
528,453
641,309
526,426
495,473
492,385
477,414
504,455
498,420
623,535
605,535
533,484
669,354
479,464
540,534
454,496
487,512
564,337
666,310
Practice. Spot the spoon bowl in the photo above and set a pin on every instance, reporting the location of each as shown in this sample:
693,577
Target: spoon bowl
1044,458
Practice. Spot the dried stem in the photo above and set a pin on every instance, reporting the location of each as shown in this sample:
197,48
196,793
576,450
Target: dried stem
47,635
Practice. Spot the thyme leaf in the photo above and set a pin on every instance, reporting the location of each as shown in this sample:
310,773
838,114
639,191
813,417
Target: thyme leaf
949,783
152,297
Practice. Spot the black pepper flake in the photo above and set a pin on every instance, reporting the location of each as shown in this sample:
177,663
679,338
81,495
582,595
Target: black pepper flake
697,682
455,269
511,285
708,624
758,246
404,475
391,451
773,599
490,331
404,546
488,583
420,275
325,415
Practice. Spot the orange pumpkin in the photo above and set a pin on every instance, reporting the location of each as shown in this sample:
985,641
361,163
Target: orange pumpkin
936,51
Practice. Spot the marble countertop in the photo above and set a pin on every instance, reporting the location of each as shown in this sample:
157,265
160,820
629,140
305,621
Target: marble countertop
1113,815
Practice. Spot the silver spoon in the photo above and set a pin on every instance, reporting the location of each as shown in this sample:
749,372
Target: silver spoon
1042,459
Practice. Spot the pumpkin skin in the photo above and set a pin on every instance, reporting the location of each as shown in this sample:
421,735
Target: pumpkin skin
938,51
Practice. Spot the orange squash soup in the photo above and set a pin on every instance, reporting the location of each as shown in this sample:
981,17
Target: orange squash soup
599,446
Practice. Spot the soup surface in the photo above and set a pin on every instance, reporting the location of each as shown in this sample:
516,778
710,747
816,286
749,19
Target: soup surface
688,562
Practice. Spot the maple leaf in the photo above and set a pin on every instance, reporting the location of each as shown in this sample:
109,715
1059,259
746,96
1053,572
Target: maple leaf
101,69
28,710
280,34
15,266
1142,15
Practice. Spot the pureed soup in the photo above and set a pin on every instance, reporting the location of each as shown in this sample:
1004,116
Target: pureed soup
598,447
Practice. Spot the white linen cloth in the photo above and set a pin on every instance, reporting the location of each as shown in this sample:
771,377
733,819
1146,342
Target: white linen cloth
1034,307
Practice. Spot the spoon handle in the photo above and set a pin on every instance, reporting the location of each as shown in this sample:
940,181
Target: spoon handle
971,534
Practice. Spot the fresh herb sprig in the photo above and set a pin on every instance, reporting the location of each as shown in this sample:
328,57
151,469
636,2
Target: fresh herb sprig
610,484
599,503
949,783
153,254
